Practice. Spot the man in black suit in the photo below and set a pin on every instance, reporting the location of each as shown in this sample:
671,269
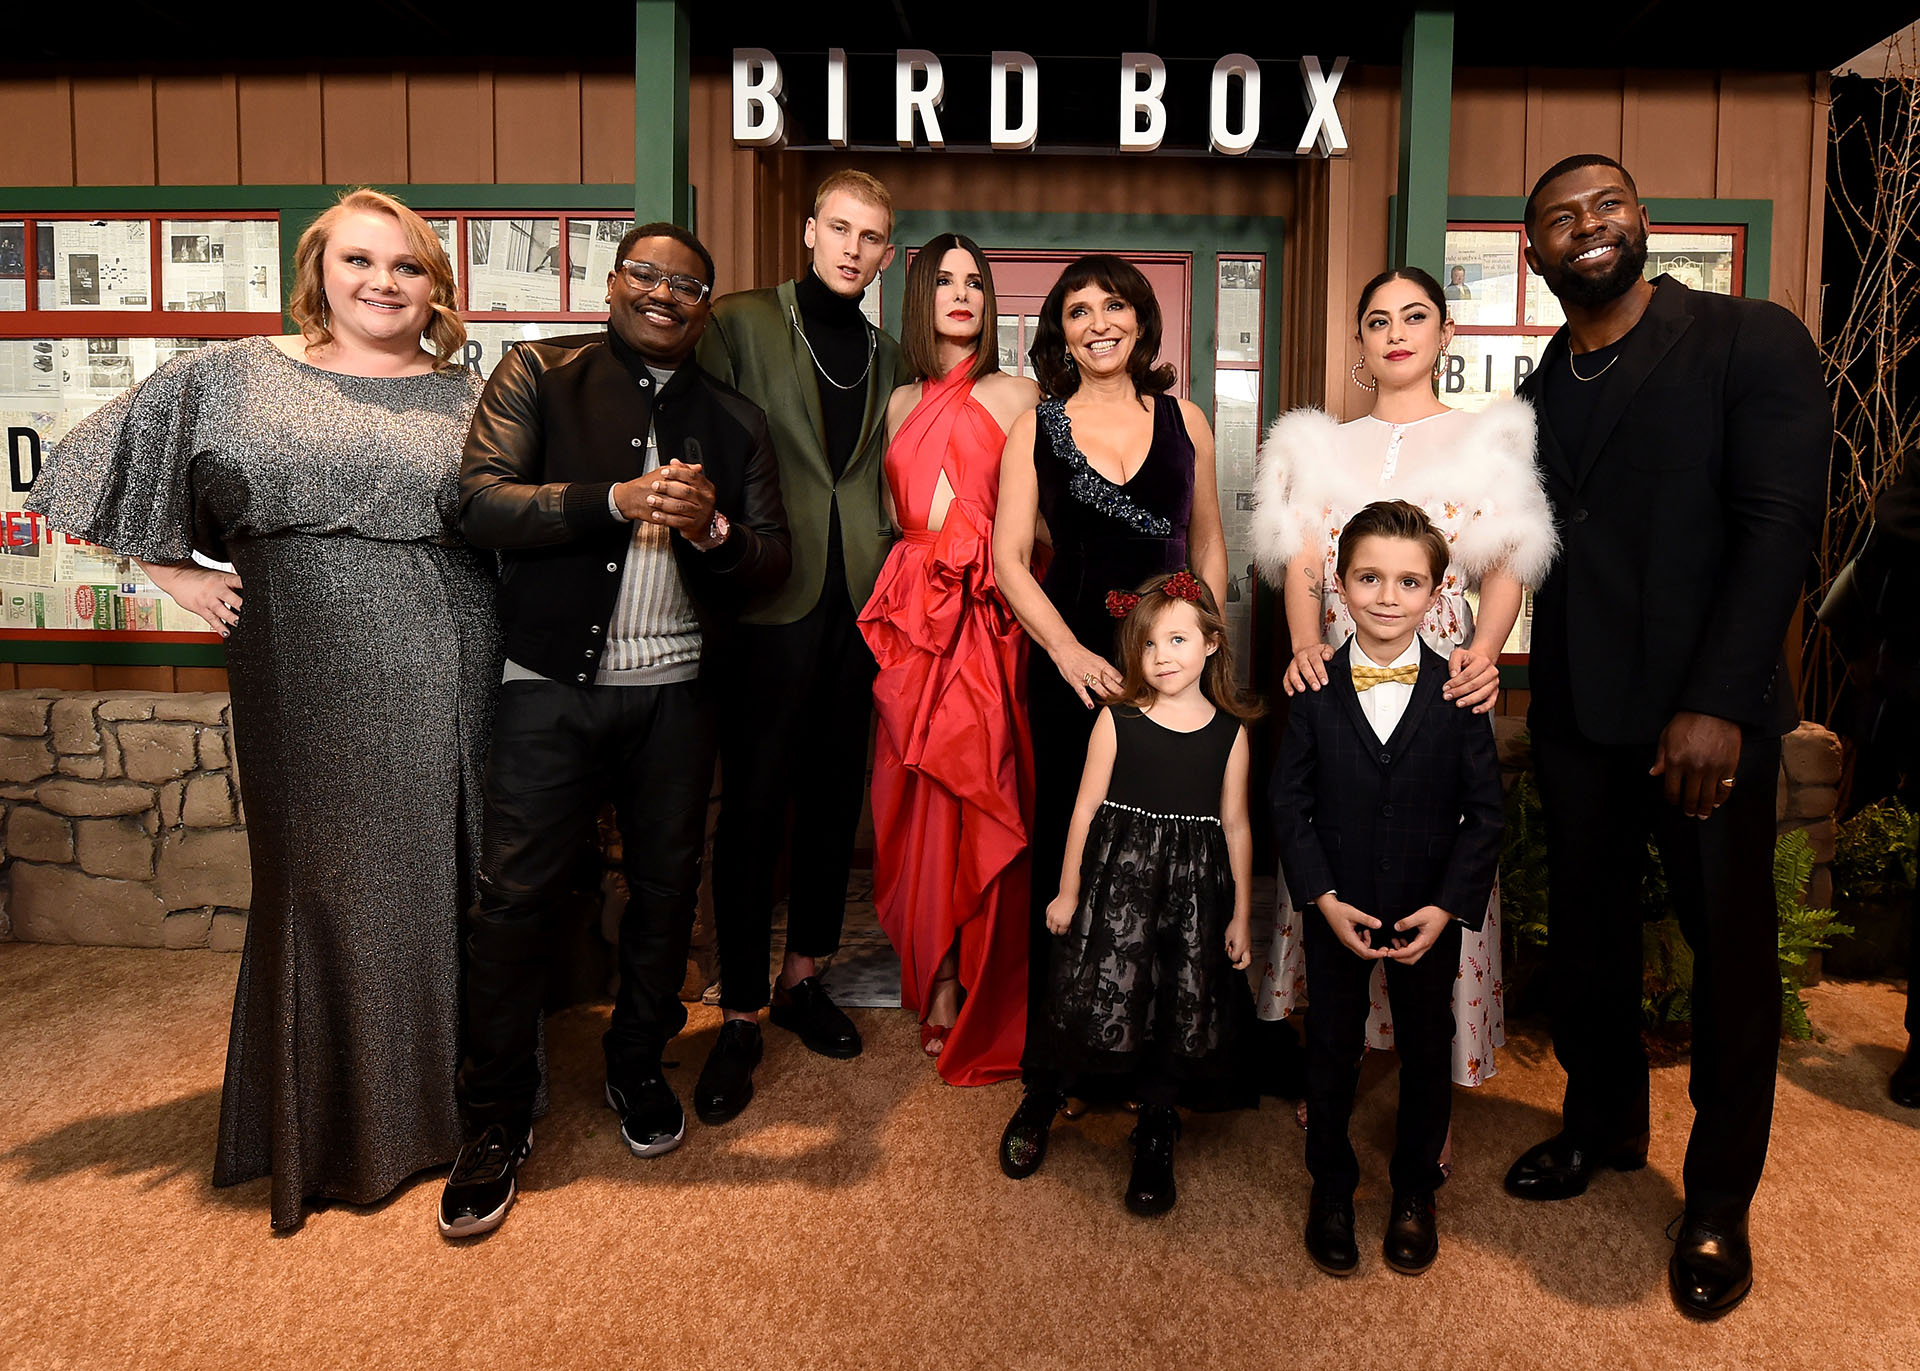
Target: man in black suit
1684,439
1386,804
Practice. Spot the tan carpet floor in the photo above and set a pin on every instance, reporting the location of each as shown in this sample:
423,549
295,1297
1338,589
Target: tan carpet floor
855,1217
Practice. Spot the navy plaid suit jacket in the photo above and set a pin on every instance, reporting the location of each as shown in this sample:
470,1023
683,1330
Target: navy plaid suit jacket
1391,826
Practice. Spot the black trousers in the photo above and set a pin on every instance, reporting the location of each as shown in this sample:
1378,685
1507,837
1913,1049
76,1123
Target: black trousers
794,743
559,751
1421,997
1601,808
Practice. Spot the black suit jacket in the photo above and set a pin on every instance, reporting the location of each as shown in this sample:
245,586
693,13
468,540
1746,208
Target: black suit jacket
1686,517
563,420
1391,826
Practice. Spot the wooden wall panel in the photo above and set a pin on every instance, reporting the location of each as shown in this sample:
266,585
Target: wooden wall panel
280,129
1669,132
450,127
1767,151
363,127
37,114
196,126
1359,223
1487,144
1570,112
113,131
723,183
536,127
606,128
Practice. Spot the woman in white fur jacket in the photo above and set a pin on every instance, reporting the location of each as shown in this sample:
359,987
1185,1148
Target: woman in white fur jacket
1474,475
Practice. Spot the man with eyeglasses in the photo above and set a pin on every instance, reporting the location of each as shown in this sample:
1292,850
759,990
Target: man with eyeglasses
636,505
795,727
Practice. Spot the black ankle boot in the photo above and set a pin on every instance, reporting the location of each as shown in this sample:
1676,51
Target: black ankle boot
1150,1188
1023,1146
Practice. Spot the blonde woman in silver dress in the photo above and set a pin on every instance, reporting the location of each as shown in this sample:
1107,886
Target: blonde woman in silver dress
1473,474
362,654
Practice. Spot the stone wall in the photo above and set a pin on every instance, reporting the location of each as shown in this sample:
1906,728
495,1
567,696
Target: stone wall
1806,797
120,820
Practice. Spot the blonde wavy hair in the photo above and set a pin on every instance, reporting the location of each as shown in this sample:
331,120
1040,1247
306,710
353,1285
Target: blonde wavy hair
446,335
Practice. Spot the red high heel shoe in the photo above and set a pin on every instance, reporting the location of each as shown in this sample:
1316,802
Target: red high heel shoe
933,1036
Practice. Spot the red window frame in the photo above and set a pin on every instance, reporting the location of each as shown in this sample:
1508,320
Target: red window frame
153,322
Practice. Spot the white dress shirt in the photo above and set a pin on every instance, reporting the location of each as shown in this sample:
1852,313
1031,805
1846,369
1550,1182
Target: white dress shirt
1385,703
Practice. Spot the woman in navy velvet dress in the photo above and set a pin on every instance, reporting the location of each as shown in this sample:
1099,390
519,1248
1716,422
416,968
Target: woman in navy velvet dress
1122,473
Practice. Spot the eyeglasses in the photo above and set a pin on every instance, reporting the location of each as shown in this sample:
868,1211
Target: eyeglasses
645,277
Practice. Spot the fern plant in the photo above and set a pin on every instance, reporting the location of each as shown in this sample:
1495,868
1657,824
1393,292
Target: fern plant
1803,931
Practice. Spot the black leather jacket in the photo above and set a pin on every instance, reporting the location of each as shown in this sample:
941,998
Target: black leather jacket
561,422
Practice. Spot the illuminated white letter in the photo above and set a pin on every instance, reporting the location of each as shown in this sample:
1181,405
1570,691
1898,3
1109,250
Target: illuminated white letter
1232,65
909,100
1323,120
837,97
759,119
1005,66
1137,97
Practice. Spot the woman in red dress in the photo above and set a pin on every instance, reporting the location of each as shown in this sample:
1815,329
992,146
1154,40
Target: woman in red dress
953,766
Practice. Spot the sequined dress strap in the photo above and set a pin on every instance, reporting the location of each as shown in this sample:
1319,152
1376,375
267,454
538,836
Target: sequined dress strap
1088,486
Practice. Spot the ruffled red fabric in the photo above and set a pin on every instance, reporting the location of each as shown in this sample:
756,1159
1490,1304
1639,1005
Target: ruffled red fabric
953,765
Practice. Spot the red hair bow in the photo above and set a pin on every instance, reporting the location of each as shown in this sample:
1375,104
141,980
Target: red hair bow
1120,603
1182,586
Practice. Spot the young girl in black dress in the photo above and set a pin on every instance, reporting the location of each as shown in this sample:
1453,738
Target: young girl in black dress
1152,912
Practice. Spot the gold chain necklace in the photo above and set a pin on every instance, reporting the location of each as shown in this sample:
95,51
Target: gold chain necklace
1596,375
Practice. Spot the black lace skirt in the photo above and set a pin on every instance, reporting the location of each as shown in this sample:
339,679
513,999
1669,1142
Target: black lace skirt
1141,980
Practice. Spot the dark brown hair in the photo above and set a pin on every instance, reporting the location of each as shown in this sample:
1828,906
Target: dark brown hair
1057,376
1428,286
1394,519
918,338
1216,681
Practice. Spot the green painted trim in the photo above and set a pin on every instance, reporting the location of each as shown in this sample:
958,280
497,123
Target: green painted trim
1426,118
662,47
1756,216
1207,237
71,653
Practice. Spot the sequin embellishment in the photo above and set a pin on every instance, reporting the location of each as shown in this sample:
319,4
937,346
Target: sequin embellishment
1088,486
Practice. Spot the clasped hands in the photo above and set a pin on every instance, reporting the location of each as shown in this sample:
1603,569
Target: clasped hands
676,496
1473,678
1362,935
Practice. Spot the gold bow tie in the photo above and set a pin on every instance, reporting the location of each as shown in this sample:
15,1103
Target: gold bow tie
1367,677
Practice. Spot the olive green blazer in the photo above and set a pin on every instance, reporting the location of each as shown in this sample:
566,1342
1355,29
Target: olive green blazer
753,346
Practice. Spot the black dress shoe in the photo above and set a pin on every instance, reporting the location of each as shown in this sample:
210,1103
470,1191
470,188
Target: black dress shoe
1330,1233
806,1009
1412,1240
1150,1188
1712,1267
651,1119
726,1081
1559,1168
480,1189
1904,1087
1023,1146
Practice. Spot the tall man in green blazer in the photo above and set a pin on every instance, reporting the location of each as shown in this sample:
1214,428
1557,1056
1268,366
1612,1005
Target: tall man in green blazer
794,727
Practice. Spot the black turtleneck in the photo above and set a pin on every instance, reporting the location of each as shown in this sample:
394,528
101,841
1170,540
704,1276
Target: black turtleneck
837,332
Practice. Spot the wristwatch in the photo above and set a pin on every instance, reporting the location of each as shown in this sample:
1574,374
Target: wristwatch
717,530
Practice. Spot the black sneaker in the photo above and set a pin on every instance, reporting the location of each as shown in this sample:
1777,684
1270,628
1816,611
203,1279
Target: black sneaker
651,1120
726,1081
807,1009
480,1189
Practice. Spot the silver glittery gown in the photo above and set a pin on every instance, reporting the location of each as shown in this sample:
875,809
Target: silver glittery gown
362,673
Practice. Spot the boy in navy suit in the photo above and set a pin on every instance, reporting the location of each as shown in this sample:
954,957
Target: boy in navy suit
1387,809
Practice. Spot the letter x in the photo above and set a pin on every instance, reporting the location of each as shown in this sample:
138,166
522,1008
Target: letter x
1323,120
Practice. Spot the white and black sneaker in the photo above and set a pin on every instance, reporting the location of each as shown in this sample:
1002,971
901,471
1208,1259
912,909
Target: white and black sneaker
480,1189
651,1119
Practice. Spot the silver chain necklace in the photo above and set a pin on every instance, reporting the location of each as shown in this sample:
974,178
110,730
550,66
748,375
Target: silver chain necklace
1596,375
837,385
